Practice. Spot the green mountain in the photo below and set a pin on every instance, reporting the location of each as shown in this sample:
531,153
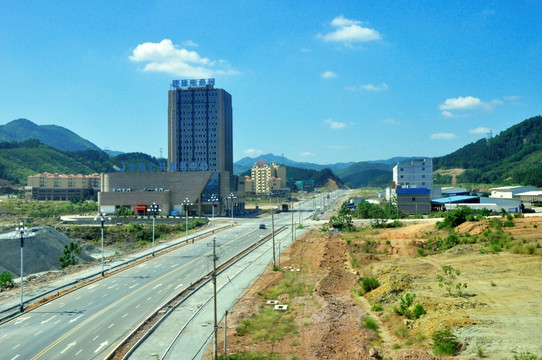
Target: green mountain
18,160
512,157
55,136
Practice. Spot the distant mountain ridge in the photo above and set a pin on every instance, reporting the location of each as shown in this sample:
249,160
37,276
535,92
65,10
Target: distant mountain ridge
54,136
512,157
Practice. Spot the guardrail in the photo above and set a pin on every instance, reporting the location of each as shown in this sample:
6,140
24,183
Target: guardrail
13,311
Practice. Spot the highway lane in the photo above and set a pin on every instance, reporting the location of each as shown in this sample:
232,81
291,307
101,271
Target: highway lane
89,322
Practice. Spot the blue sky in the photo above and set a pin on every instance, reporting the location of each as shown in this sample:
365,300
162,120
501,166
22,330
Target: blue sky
317,81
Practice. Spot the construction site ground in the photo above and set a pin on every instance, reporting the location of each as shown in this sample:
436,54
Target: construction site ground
497,317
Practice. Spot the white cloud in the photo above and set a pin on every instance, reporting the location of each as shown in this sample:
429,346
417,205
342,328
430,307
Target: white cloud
329,75
337,147
190,43
334,124
512,98
443,136
390,121
479,130
168,58
349,31
306,153
465,104
252,152
369,87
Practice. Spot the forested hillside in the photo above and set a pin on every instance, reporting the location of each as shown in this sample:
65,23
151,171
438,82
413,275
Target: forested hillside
514,156
18,160
55,136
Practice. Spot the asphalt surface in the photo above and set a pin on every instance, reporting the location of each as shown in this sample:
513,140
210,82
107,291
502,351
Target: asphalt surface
90,322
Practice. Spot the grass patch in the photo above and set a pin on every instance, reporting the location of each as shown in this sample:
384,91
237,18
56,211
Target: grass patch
370,324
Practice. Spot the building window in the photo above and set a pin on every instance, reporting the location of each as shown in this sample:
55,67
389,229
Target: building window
413,199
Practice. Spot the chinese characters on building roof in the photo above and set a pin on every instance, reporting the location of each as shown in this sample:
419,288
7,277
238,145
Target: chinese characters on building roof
141,167
192,83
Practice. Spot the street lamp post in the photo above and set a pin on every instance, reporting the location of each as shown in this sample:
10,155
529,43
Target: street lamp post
213,200
231,197
186,203
23,232
273,233
153,209
102,219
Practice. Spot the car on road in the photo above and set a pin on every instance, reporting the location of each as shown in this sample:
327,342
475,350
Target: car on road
262,226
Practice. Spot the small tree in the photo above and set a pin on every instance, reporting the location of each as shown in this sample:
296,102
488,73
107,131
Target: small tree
449,280
445,343
6,280
70,251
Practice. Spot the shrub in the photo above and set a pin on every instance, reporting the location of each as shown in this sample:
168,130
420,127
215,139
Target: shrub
418,311
369,283
526,356
444,343
376,307
449,282
6,280
370,324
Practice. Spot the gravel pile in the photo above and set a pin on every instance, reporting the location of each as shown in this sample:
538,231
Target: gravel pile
41,251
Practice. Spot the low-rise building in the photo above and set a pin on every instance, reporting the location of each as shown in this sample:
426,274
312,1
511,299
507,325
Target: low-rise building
47,186
174,192
510,192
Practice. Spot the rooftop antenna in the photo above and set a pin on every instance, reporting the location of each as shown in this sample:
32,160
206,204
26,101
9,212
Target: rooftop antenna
161,157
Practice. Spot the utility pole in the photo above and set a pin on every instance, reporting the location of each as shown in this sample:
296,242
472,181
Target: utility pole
292,221
225,331
214,290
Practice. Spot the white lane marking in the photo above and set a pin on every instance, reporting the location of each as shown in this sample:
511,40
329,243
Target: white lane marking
59,320
22,319
90,303
15,357
97,336
142,265
77,298
178,286
46,321
133,286
92,286
77,318
39,332
157,286
15,347
67,347
101,346
124,315
138,306
111,287
150,297
110,326
61,305
78,352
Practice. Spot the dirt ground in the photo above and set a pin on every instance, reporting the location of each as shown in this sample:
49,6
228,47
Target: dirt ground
497,317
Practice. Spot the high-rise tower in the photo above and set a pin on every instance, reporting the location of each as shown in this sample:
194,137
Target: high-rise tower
200,136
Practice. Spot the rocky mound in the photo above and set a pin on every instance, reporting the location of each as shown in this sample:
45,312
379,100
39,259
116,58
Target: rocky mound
41,251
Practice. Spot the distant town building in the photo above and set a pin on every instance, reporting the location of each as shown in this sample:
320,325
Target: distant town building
200,136
268,178
305,186
412,186
510,192
47,186
200,160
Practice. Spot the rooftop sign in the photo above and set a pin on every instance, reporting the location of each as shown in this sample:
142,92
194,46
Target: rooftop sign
191,83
